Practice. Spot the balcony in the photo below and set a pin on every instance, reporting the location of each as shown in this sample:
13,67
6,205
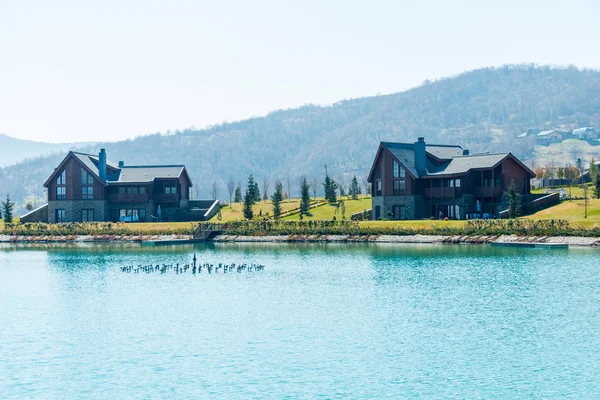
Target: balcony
443,192
123,198
488,191
165,198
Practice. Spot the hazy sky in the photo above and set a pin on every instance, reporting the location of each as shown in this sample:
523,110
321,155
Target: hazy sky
82,70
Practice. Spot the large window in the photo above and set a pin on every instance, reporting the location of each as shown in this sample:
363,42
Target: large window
122,189
399,187
142,190
62,178
87,193
87,215
398,212
132,214
61,193
60,215
86,179
398,172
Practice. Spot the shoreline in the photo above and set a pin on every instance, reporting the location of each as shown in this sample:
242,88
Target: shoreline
508,240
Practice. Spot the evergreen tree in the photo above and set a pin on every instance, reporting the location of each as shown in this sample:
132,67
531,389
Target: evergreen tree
248,202
304,196
238,195
514,200
277,198
7,210
251,188
595,177
354,190
257,197
330,187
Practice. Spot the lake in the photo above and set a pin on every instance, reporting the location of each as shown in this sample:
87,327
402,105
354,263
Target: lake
321,320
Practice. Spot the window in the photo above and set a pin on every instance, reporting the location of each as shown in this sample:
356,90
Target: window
60,215
399,187
142,189
87,193
399,172
170,189
62,178
87,215
132,214
398,212
121,189
86,179
378,187
457,183
523,185
135,190
61,193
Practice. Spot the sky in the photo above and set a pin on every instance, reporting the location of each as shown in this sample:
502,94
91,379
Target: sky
110,70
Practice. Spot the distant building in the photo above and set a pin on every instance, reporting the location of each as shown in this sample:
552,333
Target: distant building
585,133
86,187
418,180
546,138
529,133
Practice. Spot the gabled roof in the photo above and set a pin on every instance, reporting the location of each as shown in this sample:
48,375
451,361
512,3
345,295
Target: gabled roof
583,130
125,174
546,133
404,153
144,174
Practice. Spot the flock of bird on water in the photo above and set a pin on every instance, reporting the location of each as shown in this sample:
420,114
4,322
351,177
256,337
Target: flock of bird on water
193,267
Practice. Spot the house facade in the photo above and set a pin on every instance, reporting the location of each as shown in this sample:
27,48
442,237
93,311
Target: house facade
585,133
417,180
86,187
546,138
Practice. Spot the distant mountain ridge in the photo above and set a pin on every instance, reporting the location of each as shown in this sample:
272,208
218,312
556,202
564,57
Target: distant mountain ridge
13,150
481,110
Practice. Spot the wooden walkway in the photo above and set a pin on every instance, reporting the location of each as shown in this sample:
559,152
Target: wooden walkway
206,230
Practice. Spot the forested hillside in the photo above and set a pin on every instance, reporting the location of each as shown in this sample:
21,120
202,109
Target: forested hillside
13,150
482,110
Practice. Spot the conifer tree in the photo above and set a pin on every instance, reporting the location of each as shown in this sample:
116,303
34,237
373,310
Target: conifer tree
7,210
277,198
248,202
514,200
257,197
330,187
595,177
354,190
304,196
238,195
251,188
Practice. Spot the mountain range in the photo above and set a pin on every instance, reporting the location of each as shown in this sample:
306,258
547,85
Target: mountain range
482,110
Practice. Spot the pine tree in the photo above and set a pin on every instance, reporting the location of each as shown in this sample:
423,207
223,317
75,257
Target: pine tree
514,200
248,202
251,188
304,196
257,197
330,187
354,190
277,198
7,210
238,195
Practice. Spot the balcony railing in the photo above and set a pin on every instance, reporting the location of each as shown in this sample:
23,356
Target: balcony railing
165,198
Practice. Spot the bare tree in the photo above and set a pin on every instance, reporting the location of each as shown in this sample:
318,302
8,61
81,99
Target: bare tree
366,185
288,183
215,190
197,193
230,189
341,183
314,186
265,189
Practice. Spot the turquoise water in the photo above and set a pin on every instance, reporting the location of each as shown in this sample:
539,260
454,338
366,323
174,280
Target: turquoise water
331,321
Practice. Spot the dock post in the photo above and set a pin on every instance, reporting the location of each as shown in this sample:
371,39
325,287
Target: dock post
194,260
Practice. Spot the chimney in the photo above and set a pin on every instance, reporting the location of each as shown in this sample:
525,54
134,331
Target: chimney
420,163
102,165
465,152
121,164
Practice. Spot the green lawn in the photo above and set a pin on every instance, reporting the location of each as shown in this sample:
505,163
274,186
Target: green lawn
572,191
573,211
328,211
415,224
235,212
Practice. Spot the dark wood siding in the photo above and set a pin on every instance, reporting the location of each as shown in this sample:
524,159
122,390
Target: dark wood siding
73,167
384,170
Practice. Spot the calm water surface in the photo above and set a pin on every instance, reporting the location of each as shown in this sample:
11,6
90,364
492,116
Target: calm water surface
331,321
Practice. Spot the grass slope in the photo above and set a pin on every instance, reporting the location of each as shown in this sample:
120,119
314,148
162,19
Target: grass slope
573,211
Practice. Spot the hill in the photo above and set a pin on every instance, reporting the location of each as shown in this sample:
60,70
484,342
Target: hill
13,150
482,110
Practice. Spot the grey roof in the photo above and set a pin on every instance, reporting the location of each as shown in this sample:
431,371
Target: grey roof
142,174
457,164
131,174
463,164
444,152
579,131
404,153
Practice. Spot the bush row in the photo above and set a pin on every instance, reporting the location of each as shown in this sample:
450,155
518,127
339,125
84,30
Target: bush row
94,229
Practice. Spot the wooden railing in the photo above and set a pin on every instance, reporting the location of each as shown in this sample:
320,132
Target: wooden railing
205,229
443,192
488,191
